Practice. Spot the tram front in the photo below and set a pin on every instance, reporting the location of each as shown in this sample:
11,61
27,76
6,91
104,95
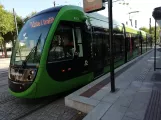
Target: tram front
27,52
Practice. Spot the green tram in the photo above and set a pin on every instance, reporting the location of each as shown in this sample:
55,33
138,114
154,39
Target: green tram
62,48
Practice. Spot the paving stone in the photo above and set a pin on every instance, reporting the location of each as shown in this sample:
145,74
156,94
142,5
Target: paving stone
148,84
129,92
112,97
136,110
136,84
100,94
128,118
107,87
123,85
124,100
142,97
116,112
145,89
101,109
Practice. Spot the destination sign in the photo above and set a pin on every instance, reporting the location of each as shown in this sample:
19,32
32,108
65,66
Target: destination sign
93,5
42,22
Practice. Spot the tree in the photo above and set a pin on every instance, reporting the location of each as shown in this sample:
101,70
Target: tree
11,36
152,31
6,25
145,29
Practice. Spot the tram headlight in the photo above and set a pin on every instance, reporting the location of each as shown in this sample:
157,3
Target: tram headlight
23,75
30,75
32,72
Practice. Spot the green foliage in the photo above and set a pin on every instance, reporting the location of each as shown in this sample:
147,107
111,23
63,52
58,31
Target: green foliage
7,25
152,31
6,22
145,29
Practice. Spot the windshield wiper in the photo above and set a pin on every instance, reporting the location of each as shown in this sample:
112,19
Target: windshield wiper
37,46
34,49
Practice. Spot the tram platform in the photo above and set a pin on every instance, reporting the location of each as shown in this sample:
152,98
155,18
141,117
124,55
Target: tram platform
137,96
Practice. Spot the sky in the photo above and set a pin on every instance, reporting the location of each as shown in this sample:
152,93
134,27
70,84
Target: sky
120,11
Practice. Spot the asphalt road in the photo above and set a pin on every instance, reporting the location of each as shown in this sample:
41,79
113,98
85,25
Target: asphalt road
49,108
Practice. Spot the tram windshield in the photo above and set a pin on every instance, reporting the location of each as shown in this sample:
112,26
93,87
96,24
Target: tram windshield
31,39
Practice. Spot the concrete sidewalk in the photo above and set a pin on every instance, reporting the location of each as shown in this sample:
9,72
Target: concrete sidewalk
4,64
138,95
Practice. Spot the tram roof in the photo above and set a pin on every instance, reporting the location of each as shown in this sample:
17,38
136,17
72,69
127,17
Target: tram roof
56,9
131,30
91,15
103,19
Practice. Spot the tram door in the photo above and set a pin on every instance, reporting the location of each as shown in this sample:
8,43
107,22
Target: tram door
98,63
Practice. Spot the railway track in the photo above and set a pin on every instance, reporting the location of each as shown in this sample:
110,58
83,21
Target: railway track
12,108
19,108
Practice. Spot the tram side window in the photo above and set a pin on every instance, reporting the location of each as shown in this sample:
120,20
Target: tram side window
79,42
128,35
62,46
135,41
119,44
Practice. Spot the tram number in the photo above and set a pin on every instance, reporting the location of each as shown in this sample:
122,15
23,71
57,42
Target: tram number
86,63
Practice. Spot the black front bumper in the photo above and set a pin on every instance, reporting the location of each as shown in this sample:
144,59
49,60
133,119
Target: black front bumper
18,86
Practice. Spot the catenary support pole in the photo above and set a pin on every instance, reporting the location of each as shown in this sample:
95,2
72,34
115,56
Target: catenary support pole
155,46
15,20
141,39
146,41
125,61
111,45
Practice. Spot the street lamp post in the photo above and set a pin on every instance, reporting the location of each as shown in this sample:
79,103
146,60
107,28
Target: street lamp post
110,17
111,45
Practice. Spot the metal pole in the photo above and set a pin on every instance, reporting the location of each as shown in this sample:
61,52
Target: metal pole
111,45
141,39
150,25
151,42
155,46
135,23
54,3
146,42
15,20
125,43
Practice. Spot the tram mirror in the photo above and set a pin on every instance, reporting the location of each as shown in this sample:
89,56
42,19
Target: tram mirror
84,18
157,13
